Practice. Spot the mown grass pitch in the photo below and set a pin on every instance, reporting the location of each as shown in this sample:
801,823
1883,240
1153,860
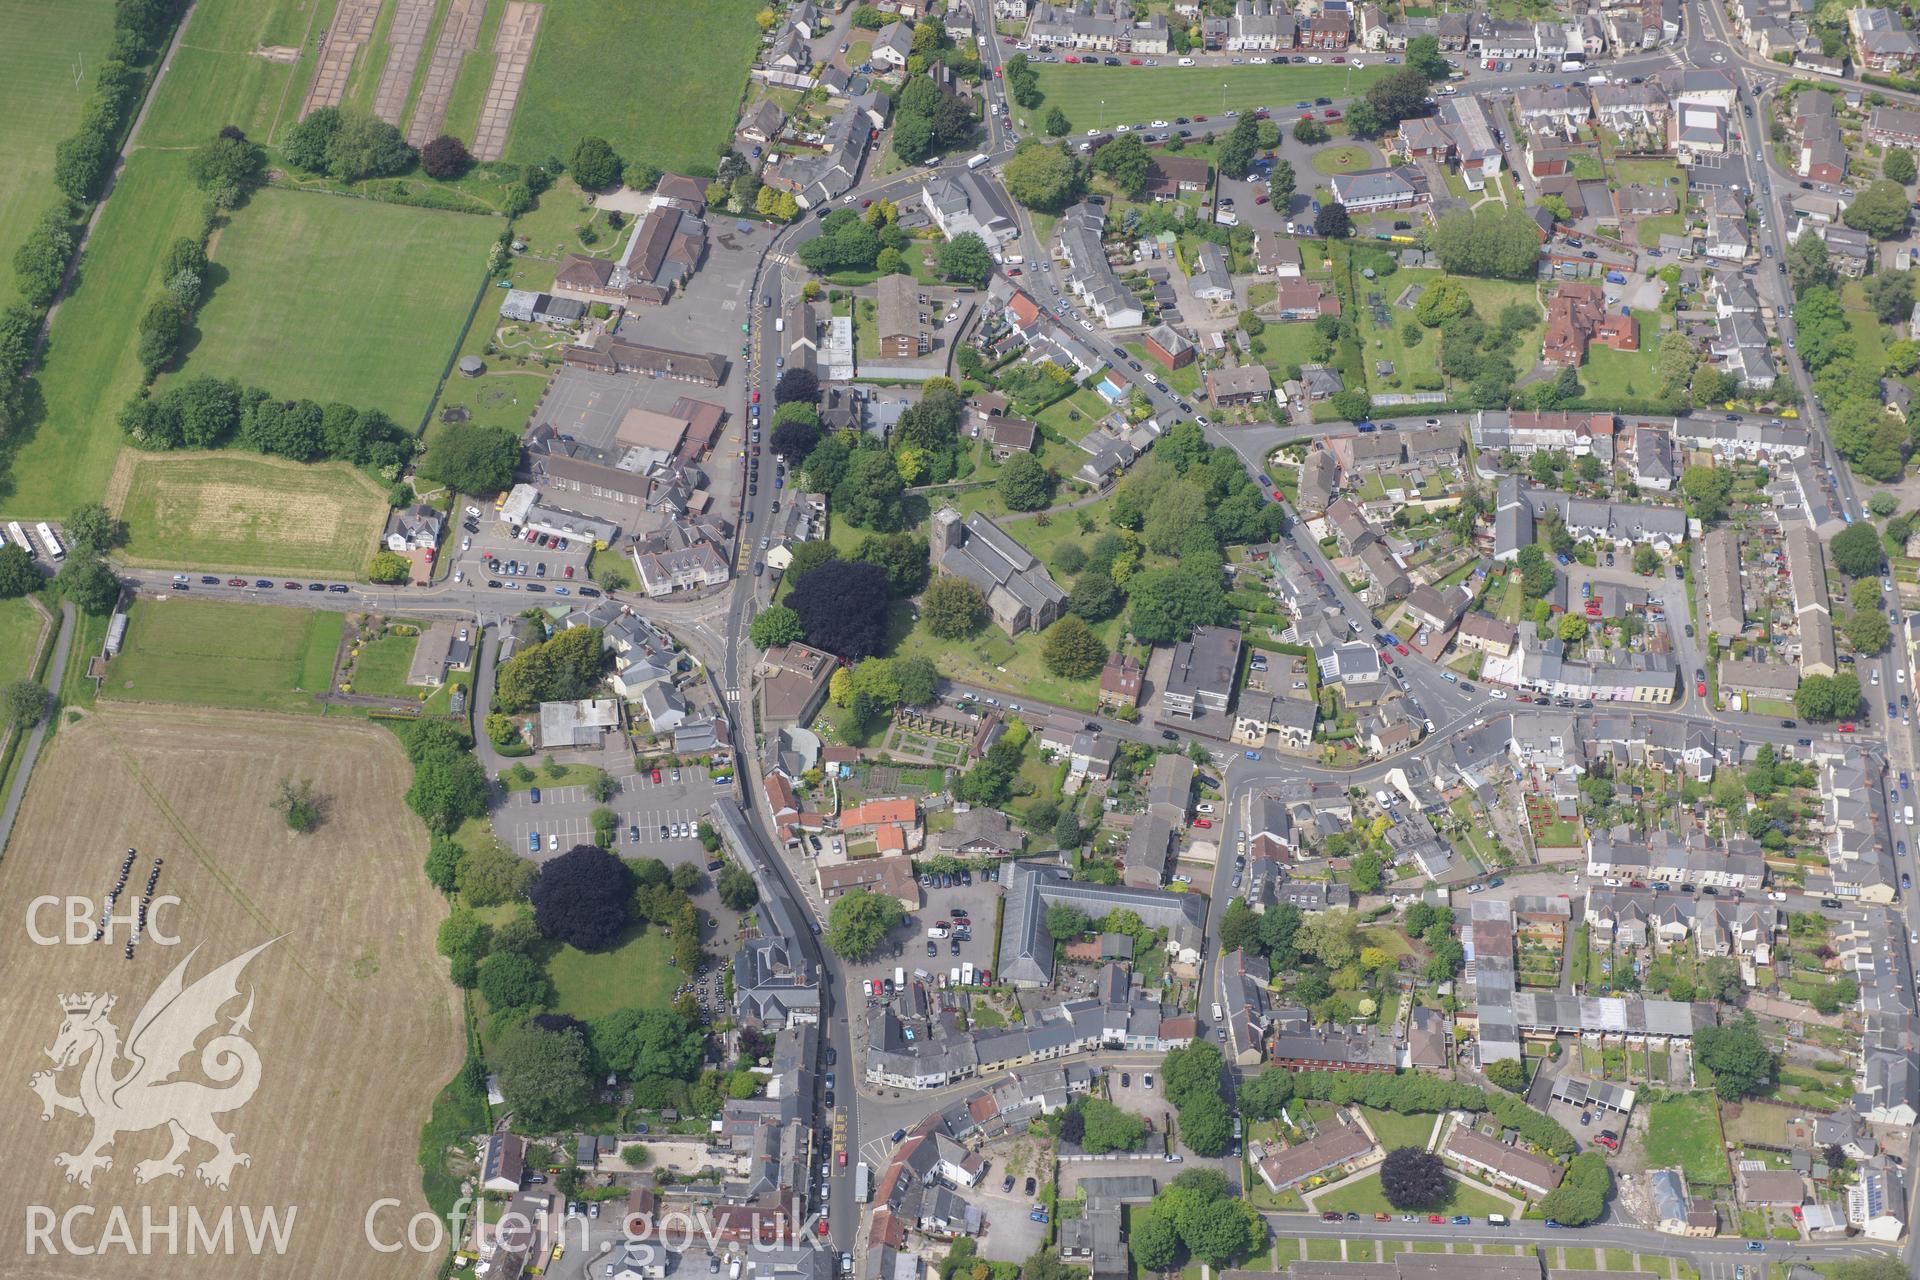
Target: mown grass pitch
212,653
329,298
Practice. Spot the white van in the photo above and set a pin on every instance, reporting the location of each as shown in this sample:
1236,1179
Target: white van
1216,1012
936,932
976,161
1186,62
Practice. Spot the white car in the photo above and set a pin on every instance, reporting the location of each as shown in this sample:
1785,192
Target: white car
1776,896
474,512
1497,693
1203,808
1186,62
553,840
1612,882
1159,124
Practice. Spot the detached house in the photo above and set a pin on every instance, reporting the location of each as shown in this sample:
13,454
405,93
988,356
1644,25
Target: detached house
1880,42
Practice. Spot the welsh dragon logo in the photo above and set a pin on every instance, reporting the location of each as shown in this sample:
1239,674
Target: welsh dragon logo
131,1088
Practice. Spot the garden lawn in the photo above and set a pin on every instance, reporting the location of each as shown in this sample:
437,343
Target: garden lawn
1138,94
1185,380
1344,157
1684,1130
42,44
219,78
1365,1197
213,654
338,299
1649,230
991,660
1286,345
1395,1130
1614,377
382,665
633,975
693,60
241,512
65,454
1060,417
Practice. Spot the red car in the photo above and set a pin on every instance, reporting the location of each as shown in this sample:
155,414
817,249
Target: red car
1435,1219
1199,119
1072,58
823,1226
866,204
236,582
1333,113
1203,822
568,572
656,775
1700,687
1401,650
1013,271
756,397
1278,496
1338,58
1261,198
1134,62
843,1159
1386,657
1846,728
996,73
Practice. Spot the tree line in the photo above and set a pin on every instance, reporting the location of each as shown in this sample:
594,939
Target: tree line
81,162
211,413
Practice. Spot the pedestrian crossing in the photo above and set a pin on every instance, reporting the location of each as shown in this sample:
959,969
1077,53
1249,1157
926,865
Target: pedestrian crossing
780,258
733,695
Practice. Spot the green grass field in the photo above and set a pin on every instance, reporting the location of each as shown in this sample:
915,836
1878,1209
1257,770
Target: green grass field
213,654
1366,1197
634,974
1611,376
1685,1131
1137,95
242,512
693,60
382,665
339,299
20,625
65,455
220,78
44,46
1649,230
1395,1130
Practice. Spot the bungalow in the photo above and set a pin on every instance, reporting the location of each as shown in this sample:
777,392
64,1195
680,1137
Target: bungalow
1275,255
1248,384
1170,176
1502,1164
1303,300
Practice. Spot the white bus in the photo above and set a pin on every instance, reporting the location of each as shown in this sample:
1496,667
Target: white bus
50,541
19,537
